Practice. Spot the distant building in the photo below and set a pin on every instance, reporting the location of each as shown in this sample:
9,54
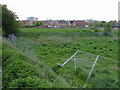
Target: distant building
81,24
56,23
63,23
32,18
28,22
72,23
116,25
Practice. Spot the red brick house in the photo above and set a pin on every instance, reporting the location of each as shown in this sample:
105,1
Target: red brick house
28,22
81,24
63,23
57,23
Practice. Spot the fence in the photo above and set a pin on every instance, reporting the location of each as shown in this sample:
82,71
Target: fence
25,44
97,71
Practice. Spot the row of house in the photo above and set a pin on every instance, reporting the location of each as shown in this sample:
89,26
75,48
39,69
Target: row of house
58,23
31,21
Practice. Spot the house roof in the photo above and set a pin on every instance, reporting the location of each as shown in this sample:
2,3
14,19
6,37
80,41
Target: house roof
62,22
28,21
81,22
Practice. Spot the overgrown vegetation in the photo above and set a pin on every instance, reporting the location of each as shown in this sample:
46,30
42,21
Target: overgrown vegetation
19,70
68,41
39,51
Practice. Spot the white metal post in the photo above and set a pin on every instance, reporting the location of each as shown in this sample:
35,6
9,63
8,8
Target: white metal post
68,60
75,62
92,68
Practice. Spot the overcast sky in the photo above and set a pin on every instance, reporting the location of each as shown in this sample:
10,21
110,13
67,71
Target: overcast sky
64,9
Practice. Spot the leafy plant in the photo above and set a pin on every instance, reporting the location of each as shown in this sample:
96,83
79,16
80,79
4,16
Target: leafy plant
30,82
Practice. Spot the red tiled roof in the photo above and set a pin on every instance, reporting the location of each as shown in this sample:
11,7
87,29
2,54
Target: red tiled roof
27,21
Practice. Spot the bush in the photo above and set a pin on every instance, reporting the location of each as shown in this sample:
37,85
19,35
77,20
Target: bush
95,29
18,69
28,82
107,31
9,56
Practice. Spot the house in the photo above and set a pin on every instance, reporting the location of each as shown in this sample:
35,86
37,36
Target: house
72,23
57,23
63,23
28,22
54,23
49,23
81,24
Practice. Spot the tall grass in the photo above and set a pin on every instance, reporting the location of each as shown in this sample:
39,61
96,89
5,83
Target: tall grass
44,48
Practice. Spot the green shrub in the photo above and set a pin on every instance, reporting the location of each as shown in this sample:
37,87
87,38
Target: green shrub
9,56
95,30
18,69
30,82
107,31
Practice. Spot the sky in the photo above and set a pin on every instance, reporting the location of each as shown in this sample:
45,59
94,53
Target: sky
64,9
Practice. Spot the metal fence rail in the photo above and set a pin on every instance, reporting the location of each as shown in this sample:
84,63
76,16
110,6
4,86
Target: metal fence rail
109,67
88,54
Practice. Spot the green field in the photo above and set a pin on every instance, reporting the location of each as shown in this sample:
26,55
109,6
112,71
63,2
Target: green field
68,41
39,51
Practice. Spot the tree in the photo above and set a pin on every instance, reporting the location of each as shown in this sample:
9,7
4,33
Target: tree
96,24
39,23
107,30
94,29
111,23
9,22
102,23
21,24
